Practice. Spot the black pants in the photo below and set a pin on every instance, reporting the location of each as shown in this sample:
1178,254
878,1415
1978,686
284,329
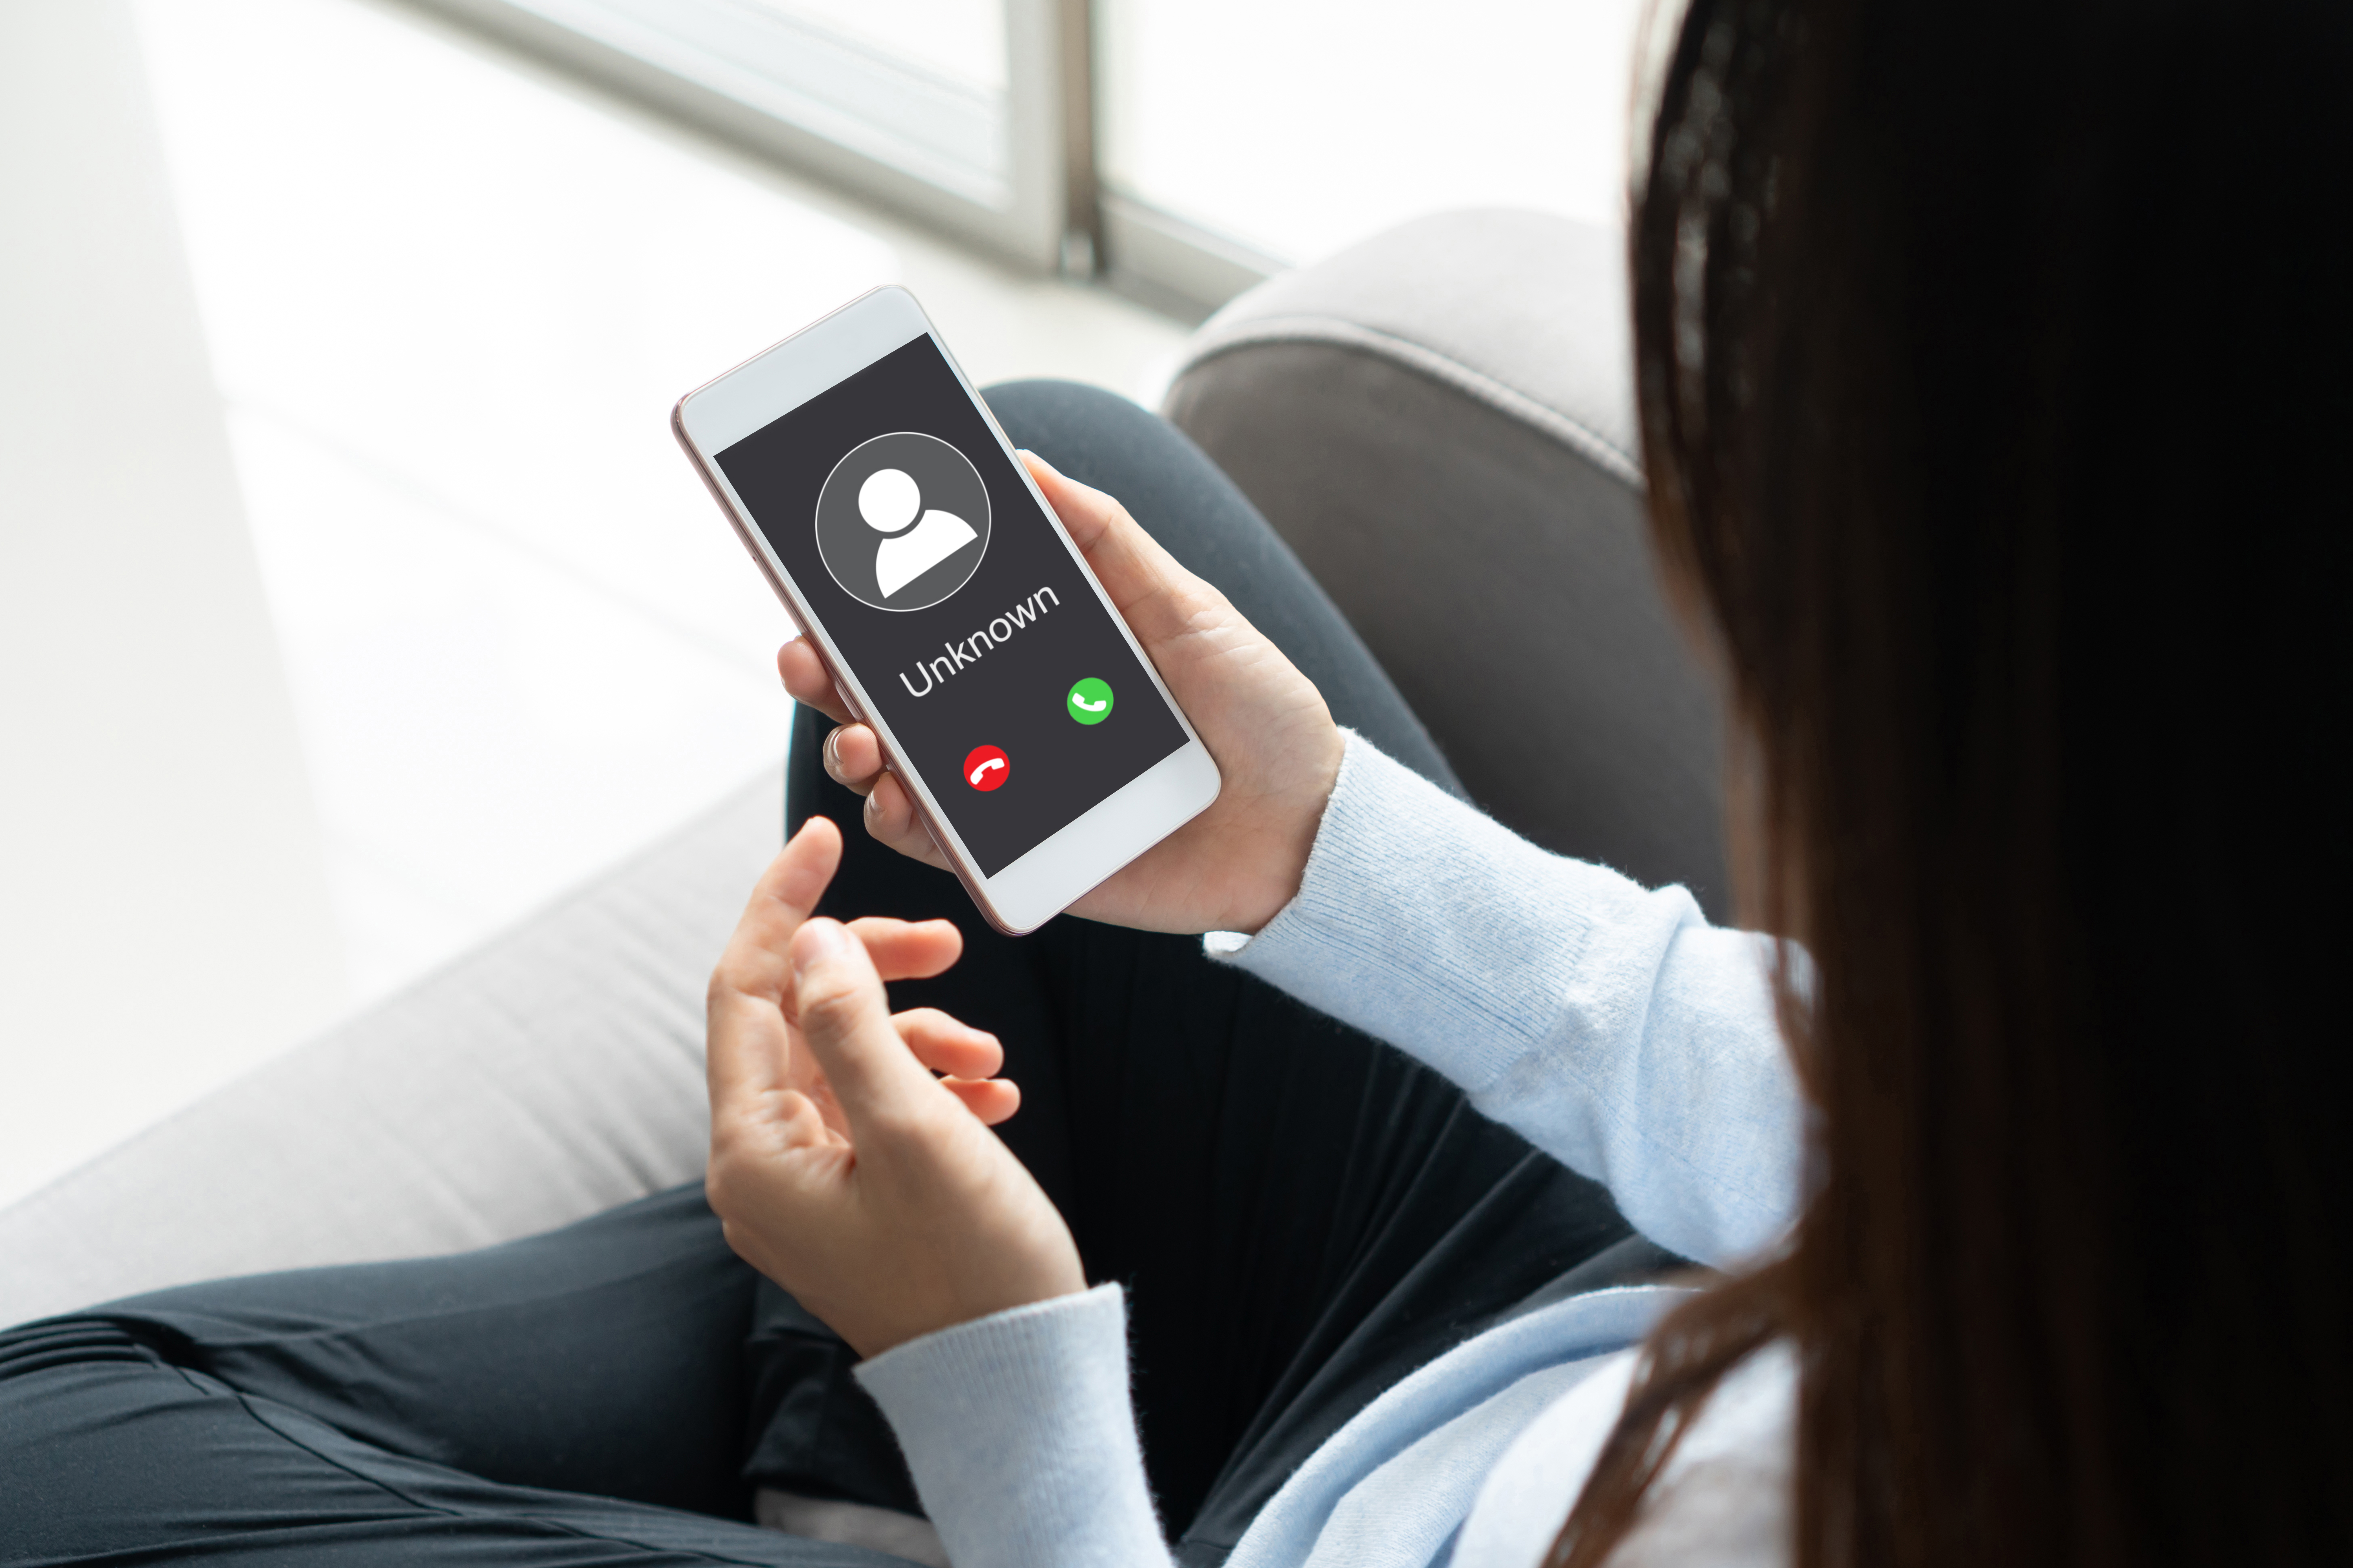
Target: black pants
1301,1215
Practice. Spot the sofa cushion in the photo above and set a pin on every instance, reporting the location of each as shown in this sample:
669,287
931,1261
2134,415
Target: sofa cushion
1440,422
548,1076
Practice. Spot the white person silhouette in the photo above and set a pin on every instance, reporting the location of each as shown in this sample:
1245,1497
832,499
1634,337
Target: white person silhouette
888,500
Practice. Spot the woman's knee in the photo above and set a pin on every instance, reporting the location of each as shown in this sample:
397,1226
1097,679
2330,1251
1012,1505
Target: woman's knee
85,1406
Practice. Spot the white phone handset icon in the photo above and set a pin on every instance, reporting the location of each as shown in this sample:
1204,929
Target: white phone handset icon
1079,701
992,762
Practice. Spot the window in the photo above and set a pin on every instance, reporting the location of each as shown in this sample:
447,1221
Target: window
1191,146
1293,127
949,110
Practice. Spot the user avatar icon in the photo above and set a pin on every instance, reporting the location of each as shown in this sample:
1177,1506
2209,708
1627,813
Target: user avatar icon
902,521
888,500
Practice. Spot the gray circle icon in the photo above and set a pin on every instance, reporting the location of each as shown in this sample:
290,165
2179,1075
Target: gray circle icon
902,522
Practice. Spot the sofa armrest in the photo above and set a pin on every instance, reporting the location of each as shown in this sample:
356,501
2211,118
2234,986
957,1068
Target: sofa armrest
1440,422
549,1076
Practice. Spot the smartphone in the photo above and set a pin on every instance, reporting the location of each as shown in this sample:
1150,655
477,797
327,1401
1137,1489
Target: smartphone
874,488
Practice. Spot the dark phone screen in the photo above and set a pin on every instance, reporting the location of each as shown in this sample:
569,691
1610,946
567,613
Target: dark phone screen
910,534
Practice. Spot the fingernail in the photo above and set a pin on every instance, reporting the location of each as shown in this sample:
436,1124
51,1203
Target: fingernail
819,941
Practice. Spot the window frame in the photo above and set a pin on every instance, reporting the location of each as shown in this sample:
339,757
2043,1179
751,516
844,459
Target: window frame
1050,214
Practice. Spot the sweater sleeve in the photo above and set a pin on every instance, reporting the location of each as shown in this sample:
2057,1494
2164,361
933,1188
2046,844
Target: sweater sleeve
1609,1024
1018,1431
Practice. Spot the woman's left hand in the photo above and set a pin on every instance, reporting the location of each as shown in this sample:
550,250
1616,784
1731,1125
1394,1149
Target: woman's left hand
840,1167
1238,863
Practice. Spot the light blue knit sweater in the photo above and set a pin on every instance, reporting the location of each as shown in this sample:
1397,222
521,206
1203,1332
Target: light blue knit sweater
1610,1024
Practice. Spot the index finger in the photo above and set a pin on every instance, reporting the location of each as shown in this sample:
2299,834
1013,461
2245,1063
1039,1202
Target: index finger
902,950
806,677
908,949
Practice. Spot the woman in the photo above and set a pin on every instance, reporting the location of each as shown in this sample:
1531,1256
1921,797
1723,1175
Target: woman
2031,693
2031,687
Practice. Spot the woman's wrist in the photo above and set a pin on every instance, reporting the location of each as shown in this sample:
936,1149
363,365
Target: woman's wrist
1294,826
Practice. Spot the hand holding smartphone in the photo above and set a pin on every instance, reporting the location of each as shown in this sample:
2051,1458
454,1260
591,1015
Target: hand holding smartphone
1039,746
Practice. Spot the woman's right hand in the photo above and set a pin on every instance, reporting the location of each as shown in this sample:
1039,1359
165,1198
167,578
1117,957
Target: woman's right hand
1237,864
840,1167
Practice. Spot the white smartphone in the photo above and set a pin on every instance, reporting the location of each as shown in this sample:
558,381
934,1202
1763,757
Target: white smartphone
875,489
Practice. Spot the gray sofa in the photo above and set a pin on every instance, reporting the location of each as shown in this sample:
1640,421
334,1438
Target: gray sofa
1439,421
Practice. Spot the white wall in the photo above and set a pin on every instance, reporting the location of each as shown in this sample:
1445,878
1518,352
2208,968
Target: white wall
164,913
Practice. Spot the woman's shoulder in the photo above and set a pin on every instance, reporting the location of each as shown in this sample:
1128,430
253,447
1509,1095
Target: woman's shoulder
1722,1502
1724,1499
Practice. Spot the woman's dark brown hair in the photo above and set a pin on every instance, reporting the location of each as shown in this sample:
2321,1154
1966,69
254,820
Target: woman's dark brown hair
1993,360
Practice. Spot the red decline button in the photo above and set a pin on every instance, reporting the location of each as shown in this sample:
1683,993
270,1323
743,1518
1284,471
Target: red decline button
986,768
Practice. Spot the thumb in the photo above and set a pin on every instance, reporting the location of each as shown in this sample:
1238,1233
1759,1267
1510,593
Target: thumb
845,1019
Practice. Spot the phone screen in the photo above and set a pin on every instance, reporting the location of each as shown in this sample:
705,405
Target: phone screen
912,536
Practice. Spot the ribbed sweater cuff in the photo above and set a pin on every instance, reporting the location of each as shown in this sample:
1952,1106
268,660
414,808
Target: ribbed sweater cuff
1020,1436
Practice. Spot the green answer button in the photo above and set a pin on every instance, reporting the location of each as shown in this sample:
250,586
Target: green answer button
1090,701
